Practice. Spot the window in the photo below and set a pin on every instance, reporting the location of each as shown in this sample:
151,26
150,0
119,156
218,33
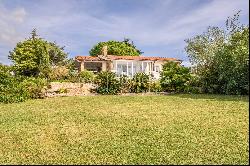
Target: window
124,68
157,68
134,69
143,66
121,69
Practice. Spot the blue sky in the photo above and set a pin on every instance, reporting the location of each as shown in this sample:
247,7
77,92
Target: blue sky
157,27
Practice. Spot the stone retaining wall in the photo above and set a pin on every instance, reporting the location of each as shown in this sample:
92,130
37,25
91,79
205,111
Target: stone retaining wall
72,89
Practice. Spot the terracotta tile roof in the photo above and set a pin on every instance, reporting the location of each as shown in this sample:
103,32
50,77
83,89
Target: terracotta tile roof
87,58
141,58
114,57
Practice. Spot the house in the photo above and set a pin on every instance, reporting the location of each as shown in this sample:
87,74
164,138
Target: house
123,65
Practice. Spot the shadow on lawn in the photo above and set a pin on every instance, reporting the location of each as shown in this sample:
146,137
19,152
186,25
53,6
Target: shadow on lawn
214,97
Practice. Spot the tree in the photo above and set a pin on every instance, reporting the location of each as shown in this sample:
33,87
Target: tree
202,48
57,55
221,56
5,69
232,64
35,56
174,77
116,48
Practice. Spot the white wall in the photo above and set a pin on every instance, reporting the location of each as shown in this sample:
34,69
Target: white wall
120,67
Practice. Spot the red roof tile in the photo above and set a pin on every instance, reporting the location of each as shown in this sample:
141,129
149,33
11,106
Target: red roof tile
114,57
87,58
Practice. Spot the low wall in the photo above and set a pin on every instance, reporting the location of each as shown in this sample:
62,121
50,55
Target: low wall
72,89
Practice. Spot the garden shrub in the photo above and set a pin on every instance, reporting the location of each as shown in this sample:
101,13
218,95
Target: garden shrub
155,86
59,73
140,83
36,87
19,88
193,85
174,77
86,76
11,91
107,83
126,84
72,77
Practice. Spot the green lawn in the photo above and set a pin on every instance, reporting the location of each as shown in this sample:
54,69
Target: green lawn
173,129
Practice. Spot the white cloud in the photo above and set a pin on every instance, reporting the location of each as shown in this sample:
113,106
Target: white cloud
10,20
176,28
162,25
18,15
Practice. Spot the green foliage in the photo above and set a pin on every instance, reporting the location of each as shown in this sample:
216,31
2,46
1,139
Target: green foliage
35,56
107,83
10,89
71,65
86,76
63,74
62,90
4,74
5,69
36,87
193,85
57,56
140,83
13,94
202,48
58,73
174,77
18,88
116,48
126,84
73,77
221,58
155,86
232,63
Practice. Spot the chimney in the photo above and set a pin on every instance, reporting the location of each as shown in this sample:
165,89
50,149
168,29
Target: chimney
105,51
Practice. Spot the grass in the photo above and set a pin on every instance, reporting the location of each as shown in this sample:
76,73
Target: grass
173,129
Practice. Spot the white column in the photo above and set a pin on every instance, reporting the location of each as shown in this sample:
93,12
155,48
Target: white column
132,69
141,66
116,67
104,66
149,67
127,68
81,66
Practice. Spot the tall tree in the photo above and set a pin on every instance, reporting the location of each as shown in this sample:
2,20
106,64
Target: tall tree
116,48
221,57
232,64
35,56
